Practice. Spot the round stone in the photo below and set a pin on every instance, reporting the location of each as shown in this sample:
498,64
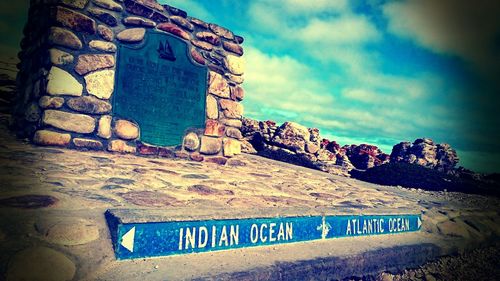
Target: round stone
59,57
174,29
233,133
109,4
46,137
191,142
104,127
40,263
126,130
67,231
88,143
103,46
105,32
210,146
212,108
137,21
78,123
51,102
121,146
131,35
89,104
65,38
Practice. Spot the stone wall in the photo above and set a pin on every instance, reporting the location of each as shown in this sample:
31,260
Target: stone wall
67,75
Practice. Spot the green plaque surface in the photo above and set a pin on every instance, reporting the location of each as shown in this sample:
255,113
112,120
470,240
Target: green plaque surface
159,86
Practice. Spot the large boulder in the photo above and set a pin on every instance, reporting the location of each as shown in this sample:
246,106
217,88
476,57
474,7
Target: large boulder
293,143
365,156
425,152
292,136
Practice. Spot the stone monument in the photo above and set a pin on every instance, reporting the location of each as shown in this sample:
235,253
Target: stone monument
129,76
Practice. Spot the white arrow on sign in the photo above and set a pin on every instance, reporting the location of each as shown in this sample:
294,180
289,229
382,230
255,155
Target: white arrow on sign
128,240
419,222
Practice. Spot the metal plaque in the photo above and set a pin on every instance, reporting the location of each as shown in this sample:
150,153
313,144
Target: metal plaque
159,86
153,239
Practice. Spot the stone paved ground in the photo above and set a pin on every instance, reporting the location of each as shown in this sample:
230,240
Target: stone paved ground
52,203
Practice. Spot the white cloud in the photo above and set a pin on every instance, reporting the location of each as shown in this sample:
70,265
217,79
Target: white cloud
373,97
283,83
307,6
342,30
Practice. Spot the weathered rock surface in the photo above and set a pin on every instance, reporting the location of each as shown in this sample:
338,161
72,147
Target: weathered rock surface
218,85
104,15
104,127
191,142
46,137
89,104
108,4
293,143
58,57
426,153
235,64
51,102
174,29
210,145
101,83
105,32
231,108
137,21
212,107
63,83
232,147
88,143
291,136
65,38
365,156
182,22
126,130
121,147
78,123
88,63
131,35
208,37
103,46
74,20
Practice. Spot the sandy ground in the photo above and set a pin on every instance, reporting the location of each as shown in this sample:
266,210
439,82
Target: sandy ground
52,203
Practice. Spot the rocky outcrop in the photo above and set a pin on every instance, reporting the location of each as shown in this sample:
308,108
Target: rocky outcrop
294,143
365,156
426,153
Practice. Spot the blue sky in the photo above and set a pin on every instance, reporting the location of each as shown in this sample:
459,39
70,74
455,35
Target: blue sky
374,71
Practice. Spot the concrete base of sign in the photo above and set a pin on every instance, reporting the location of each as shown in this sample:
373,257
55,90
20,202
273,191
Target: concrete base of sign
152,236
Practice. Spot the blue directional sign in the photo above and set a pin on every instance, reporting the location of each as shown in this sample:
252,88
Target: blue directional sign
153,239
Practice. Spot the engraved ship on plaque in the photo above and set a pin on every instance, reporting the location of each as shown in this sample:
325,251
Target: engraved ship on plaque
166,52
